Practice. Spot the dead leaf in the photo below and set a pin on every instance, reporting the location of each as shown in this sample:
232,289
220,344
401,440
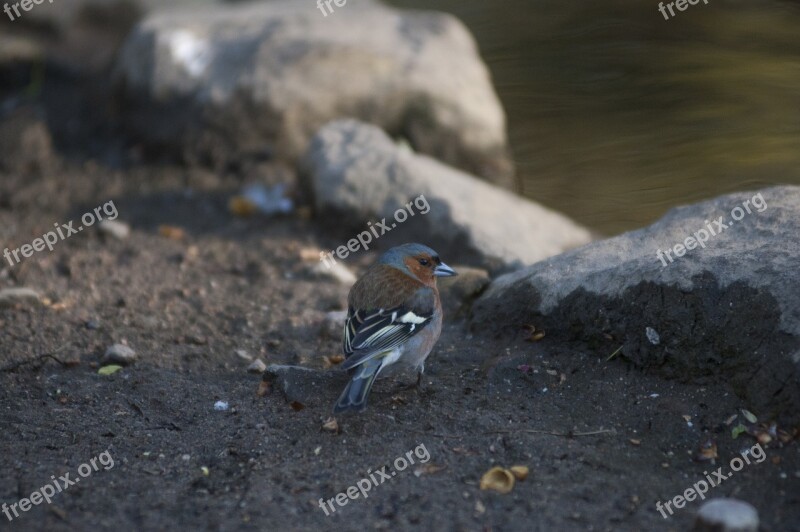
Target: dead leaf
109,370
428,469
242,206
310,254
707,451
520,472
498,479
332,360
749,416
171,232
297,406
331,425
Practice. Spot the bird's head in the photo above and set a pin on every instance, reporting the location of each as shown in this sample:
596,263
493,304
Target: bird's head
418,261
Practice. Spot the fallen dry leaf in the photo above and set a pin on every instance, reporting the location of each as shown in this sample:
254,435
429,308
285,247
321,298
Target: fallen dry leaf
310,254
242,206
463,450
297,406
331,425
498,479
109,370
749,416
428,469
171,232
332,360
520,472
707,451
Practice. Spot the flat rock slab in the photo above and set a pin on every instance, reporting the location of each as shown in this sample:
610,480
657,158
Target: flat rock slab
357,171
219,81
726,308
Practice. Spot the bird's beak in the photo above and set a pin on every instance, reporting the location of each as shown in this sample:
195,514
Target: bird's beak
443,270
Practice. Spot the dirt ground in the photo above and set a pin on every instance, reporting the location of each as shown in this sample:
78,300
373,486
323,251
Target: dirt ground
603,441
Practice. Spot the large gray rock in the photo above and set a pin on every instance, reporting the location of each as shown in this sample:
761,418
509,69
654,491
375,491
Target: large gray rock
267,75
358,171
729,308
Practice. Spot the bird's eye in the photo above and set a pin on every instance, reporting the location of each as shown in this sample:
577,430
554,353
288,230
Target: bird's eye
424,262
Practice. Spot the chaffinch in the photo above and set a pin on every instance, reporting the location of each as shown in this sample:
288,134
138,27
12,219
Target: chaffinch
394,319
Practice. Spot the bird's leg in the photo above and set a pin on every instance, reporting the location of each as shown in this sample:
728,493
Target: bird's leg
421,372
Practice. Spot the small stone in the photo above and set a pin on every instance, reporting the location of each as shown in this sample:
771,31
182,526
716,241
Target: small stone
726,515
92,325
244,355
119,354
257,366
337,271
652,335
13,296
221,406
115,229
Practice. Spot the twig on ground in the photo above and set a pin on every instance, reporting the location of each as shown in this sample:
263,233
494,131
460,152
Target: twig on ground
19,364
569,434
614,353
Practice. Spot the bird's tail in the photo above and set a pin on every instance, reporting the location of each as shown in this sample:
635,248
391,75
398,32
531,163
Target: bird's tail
354,396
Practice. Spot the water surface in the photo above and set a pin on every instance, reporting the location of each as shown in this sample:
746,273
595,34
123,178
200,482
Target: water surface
616,115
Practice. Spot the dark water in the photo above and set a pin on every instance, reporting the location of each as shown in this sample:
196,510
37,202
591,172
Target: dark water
616,115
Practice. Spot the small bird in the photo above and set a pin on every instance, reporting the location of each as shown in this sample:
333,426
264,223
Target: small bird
394,318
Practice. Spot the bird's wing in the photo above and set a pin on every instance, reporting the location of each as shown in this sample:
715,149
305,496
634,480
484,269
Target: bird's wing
368,333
